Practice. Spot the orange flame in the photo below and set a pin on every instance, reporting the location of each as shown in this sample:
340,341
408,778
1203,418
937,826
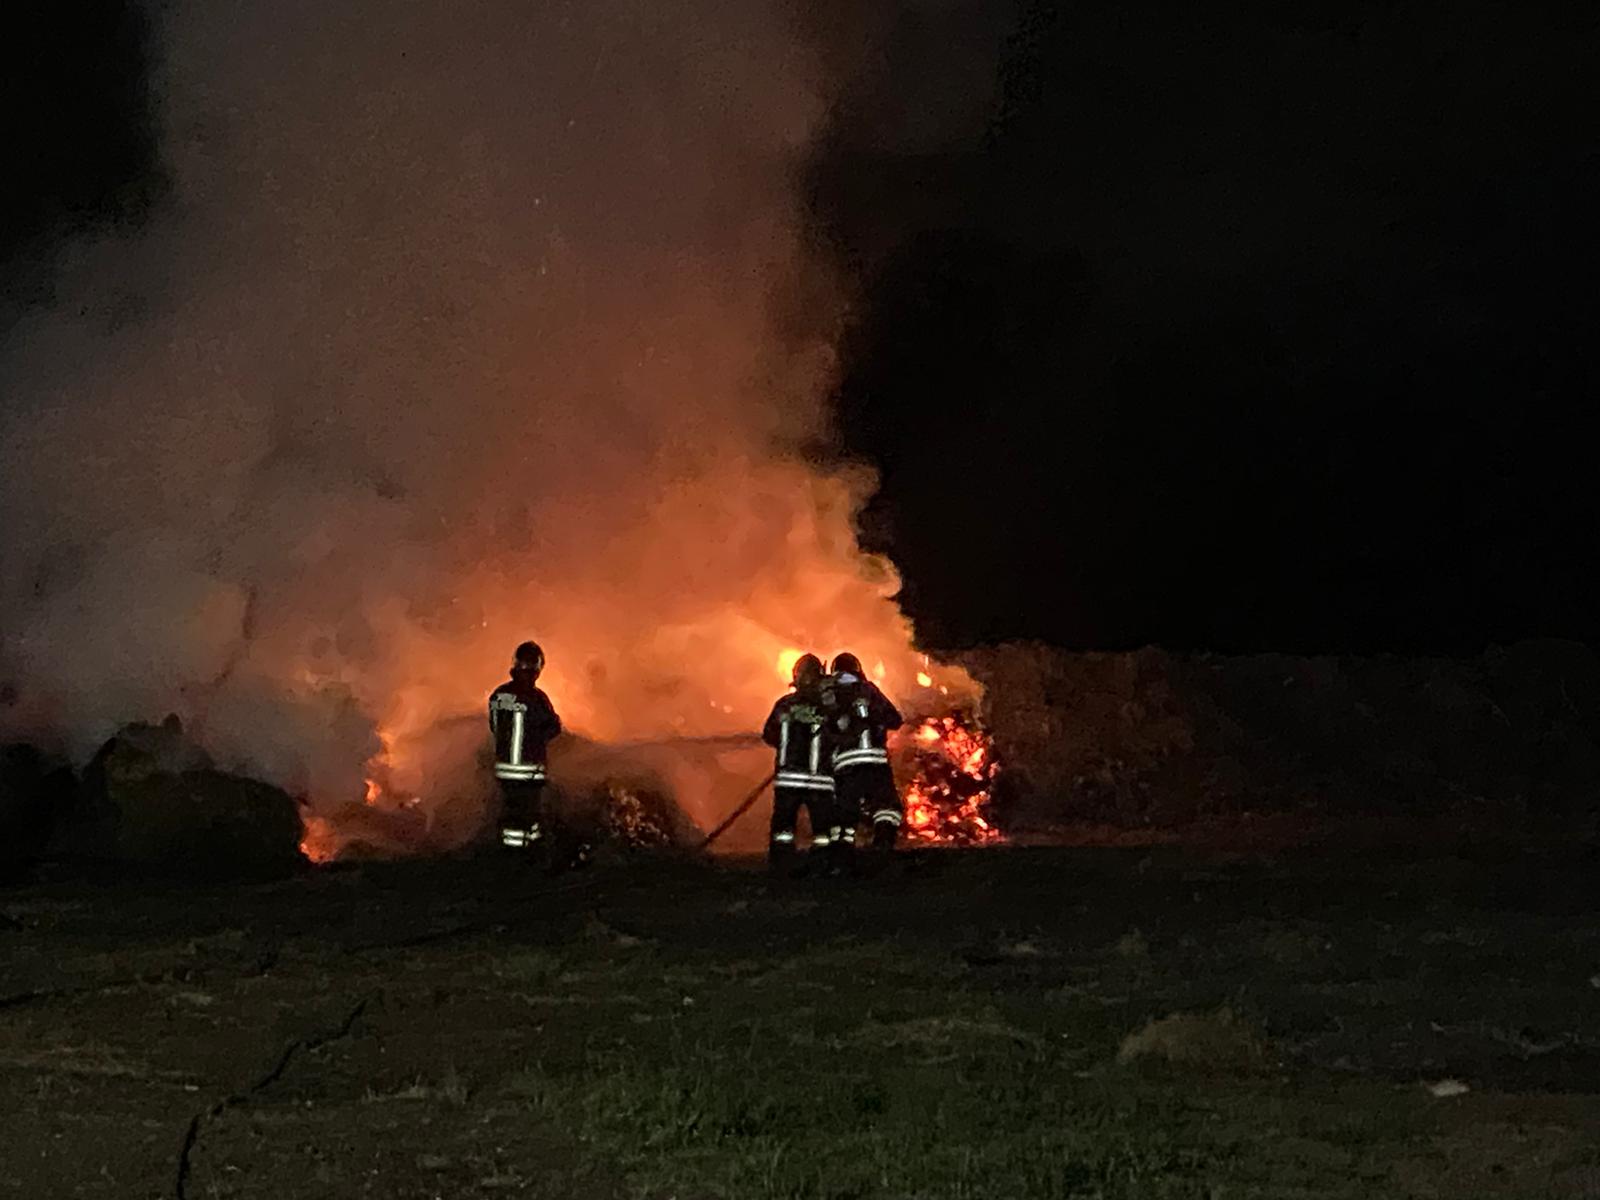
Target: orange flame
378,767
320,841
786,661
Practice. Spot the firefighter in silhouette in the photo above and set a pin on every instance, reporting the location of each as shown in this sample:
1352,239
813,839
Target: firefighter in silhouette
523,722
859,718
803,775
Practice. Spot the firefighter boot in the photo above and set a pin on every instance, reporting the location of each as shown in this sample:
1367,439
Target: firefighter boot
842,850
781,852
875,856
885,831
814,861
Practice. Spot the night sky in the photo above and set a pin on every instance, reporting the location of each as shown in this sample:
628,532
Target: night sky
80,136
1270,326
1248,326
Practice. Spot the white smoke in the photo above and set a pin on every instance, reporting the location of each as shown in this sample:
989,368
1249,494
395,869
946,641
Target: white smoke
454,331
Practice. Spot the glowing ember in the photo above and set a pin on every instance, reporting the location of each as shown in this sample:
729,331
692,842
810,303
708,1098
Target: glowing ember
952,767
636,818
924,679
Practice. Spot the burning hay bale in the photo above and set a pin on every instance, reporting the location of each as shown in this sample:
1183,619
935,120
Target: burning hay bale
154,799
637,815
950,769
643,795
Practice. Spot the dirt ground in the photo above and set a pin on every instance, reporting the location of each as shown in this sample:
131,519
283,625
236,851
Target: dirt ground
1009,1023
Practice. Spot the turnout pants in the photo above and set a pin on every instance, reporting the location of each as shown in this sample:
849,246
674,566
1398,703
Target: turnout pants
522,825
786,805
866,795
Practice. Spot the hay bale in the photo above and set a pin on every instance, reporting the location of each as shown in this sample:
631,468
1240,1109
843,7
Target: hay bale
152,799
1156,738
642,816
206,824
134,753
1084,732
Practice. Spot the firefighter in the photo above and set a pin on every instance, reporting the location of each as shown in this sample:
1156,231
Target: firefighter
803,775
523,722
859,719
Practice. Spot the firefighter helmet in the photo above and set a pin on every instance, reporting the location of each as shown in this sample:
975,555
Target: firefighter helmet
807,670
529,657
847,664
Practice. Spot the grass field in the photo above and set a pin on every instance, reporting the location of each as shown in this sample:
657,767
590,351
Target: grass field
1008,1023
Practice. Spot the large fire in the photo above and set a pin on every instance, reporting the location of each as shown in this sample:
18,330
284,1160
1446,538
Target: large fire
946,762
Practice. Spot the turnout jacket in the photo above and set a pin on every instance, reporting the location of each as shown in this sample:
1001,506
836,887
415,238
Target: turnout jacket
859,720
795,731
523,722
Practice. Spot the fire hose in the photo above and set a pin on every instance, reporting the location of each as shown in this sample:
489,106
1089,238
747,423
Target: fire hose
716,741
744,807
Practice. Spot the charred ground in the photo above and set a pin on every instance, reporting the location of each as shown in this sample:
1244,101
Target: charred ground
974,1023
